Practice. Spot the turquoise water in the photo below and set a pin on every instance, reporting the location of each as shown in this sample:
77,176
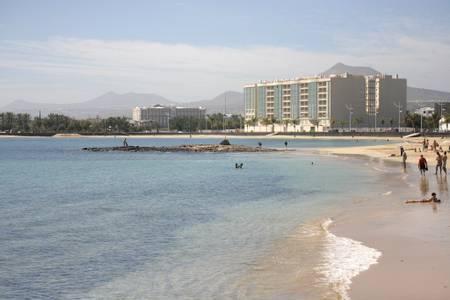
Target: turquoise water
78,225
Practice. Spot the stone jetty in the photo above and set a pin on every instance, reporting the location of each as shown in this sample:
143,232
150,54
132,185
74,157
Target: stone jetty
182,148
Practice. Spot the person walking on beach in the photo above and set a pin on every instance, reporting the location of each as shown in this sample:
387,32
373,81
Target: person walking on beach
285,144
444,162
125,143
401,150
404,157
438,163
423,165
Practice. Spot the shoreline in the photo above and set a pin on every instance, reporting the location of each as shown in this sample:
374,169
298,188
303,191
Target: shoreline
414,239
214,136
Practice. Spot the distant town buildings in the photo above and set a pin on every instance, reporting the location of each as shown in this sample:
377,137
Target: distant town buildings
425,111
160,116
323,103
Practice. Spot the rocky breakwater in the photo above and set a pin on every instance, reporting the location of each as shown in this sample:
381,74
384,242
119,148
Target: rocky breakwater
182,148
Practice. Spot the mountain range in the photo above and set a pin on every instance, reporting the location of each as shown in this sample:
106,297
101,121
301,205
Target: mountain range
113,104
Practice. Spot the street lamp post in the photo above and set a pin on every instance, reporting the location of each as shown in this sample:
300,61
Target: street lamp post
376,119
168,121
350,112
399,114
421,120
442,109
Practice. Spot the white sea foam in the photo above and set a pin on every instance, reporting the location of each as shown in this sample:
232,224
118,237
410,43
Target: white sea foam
380,169
387,193
344,259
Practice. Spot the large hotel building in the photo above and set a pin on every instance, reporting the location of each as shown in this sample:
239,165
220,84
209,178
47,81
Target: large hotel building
322,103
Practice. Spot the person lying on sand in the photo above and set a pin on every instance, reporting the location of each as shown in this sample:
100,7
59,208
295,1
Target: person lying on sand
433,199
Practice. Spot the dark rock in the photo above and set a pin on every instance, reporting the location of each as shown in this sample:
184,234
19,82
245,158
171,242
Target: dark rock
182,148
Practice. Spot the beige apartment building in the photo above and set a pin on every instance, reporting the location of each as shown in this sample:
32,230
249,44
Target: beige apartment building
324,103
160,116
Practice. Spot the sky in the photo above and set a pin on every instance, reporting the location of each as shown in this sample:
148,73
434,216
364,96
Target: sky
75,50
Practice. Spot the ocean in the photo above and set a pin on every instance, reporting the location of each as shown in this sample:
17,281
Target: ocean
80,225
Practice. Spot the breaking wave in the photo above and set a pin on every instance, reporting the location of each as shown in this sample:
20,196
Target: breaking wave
343,259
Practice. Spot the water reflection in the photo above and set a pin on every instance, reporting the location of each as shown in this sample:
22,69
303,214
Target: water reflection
424,185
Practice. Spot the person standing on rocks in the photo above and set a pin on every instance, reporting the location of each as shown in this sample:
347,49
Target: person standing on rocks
125,143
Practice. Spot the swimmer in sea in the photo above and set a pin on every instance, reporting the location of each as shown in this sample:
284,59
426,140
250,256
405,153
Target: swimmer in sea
433,199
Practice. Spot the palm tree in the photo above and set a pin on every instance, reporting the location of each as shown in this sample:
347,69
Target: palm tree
342,123
358,121
286,123
315,122
295,122
265,122
254,121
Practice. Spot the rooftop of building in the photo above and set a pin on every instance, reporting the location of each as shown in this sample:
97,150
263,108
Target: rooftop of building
320,77
159,106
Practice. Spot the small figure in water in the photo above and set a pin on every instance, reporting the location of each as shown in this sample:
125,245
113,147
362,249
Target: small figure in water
125,143
260,144
238,166
433,199
285,144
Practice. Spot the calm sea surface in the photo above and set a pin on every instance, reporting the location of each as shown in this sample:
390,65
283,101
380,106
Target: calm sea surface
78,225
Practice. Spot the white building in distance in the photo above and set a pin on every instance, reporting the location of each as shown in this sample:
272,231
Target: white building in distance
160,116
425,111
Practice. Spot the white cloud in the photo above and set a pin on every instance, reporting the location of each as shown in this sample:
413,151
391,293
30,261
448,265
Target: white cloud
185,72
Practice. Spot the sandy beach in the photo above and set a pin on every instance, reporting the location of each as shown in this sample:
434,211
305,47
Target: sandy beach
414,238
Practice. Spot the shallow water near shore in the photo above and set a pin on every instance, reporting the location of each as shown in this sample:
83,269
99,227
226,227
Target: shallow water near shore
78,225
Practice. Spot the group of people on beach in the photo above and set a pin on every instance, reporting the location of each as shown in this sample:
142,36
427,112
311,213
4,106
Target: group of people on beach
441,164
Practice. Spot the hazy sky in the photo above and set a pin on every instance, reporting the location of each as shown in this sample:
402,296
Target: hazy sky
71,51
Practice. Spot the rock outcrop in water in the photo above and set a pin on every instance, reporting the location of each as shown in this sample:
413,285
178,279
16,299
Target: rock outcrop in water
182,148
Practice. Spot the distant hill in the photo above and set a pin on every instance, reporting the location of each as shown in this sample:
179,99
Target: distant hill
418,97
234,103
415,96
112,104
340,68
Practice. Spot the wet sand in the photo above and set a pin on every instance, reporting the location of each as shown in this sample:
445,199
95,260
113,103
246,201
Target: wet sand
414,238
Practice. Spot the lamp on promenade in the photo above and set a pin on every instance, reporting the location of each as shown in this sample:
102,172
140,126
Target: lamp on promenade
398,105
350,113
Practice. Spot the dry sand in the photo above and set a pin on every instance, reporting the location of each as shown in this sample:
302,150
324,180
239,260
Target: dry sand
391,152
